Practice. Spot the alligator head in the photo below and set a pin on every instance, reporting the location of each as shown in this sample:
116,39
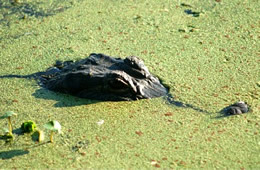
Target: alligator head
101,77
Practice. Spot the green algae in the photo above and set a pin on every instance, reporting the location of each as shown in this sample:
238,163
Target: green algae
211,64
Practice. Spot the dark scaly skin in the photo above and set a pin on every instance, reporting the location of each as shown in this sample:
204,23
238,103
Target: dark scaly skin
101,77
238,108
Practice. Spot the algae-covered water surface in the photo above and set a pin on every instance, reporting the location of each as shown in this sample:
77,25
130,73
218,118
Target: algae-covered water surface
207,52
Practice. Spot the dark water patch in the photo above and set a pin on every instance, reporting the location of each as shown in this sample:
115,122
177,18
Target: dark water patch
186,5
188,29
193,13
11,12
198,8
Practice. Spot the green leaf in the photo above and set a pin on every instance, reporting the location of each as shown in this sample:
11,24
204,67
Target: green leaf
8,114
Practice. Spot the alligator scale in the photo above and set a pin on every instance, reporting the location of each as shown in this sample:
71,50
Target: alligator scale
102,77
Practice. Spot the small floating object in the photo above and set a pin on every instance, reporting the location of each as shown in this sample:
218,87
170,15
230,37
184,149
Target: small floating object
100,122
237,108
28,126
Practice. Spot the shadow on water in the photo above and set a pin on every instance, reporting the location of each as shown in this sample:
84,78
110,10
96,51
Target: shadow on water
18,131
66,100
12,153
223,113
30,76
63,100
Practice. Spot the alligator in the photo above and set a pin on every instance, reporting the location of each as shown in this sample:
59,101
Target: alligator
104,78
101,77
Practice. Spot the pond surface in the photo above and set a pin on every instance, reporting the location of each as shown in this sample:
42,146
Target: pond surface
206,52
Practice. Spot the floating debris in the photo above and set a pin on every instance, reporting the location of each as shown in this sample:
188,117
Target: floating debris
100,122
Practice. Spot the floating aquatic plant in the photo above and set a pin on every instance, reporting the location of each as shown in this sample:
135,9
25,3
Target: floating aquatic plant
53,126
8,115
28,126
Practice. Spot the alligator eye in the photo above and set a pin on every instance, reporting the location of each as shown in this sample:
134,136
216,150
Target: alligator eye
117,84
